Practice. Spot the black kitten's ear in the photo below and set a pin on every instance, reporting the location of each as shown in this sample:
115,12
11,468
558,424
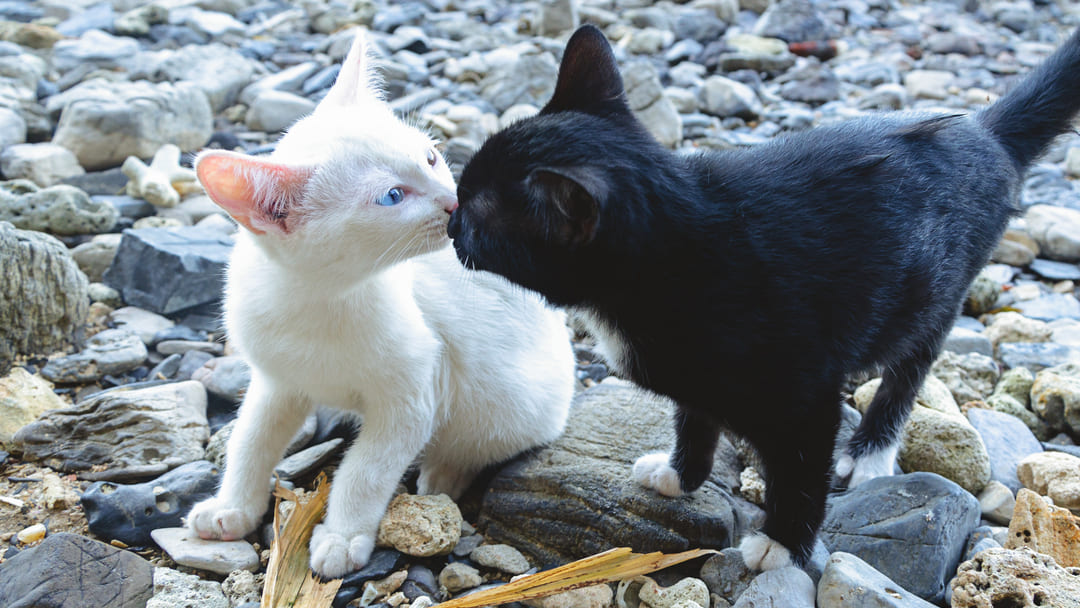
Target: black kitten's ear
569,197
589,78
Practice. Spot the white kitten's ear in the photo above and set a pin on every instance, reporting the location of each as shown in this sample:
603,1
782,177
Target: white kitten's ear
356,80
257,193
568,198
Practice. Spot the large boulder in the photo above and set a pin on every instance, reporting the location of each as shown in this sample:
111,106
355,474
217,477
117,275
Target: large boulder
52,297
576,497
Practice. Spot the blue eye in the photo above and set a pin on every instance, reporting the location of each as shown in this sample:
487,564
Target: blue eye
392,197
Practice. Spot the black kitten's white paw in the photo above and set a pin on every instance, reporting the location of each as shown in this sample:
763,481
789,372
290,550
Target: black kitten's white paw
856,471
760,552
654,471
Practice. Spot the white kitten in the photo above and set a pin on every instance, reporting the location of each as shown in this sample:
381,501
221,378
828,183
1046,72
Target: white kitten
343,290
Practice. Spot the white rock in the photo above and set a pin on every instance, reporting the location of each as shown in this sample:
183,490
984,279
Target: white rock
217,556
928,84
1056,230
849,582
44,164
211,23
95,256
274,111
288,79
1072,162
725,97
12,128
787,587
174,589
143,322
24,397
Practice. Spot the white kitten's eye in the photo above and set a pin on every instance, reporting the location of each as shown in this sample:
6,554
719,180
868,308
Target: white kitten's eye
392,197
432,158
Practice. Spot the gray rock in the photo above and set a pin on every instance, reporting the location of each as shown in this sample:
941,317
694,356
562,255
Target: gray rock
110,352
815,85
95,256
61,209
558,16
219,71
71,571
849,582
289,79
577,497
218,556
726,574
225,377
122,427
1008,441
530,79
1056,271
104,122
44,164
792,21
1037,355
273,111
724,97
922,516
970,376
174,589
210,23
306,462
128,512
962,340
52,303
93,47
12,128
143,322
503,558
650,105
787,587
1056,230
1050,307
168,270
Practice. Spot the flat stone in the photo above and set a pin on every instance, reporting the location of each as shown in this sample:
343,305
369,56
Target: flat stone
24,397
72,571
93,47
849,582
52,303
1055,271
274,111
128,512
289,79
168,270
109,352
217,556
576,497
1009,327
307,462
962,340
726,574
174,589
1008,441
1051,307
122,427
503,558
421,526
922,516
1037,356
1006,577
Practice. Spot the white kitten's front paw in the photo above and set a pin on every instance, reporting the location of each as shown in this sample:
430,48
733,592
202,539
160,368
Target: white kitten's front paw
334,556
654,471
760,552
214,519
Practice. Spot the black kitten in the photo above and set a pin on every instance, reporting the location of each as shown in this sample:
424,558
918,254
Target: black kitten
794,263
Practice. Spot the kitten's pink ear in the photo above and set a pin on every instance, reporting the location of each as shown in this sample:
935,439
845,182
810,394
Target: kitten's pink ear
356,80
257,193
571,193
589,78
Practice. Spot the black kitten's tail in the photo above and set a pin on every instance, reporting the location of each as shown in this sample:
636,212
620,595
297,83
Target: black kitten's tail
1028,118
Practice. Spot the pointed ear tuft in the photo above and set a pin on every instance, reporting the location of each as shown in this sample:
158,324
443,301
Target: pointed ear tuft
589,78
257,193
356,80
571,194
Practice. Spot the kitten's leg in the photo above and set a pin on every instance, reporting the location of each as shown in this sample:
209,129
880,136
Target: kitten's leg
266,422
871,451
689,465
389,440
797,459
444,478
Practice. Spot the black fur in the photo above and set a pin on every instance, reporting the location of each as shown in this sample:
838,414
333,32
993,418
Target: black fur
761,277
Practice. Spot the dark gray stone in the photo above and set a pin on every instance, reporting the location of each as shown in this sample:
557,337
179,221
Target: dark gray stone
1055,271
383,562
129,512
71,571
307,462
1008,441
726,574
168,270
577,497
921,516
105,184
53,301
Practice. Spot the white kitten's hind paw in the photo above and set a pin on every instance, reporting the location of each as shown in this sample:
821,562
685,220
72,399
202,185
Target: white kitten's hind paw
213,519
654,471
866,467
334,556
763,553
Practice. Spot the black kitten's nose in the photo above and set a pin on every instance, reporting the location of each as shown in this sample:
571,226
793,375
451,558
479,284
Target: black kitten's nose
453,227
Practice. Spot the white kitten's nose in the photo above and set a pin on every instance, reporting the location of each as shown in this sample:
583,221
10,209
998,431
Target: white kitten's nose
447,202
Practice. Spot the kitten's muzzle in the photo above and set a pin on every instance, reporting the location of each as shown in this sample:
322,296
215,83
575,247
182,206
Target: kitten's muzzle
449,203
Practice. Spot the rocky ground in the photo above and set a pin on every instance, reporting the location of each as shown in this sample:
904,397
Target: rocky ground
117,386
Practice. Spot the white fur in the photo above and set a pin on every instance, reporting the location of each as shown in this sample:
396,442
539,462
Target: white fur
760,552
654,471
366,308
874,464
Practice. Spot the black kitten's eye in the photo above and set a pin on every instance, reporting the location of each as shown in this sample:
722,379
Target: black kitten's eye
432,158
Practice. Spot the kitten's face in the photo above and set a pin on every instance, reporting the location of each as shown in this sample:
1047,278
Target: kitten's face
349,190
532,197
